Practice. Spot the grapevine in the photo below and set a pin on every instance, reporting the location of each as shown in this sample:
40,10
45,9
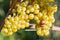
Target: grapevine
40,11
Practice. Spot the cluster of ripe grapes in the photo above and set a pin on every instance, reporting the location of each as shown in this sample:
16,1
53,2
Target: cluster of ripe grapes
41,13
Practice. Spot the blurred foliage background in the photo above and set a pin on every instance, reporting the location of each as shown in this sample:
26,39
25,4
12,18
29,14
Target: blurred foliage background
29,35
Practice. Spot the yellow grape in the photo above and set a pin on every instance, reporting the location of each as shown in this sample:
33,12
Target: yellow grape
36,6
27,11
37,21
54,8
8,26
31,9
22,26
45,17
4,30
39,15
45,27
7,22
24,4
47,33
36,18
36,11
27,24
51,0
11,19
16,18
26,17
19,9
23,22
10,30
51,19
24,9
31,16
10,33
19,26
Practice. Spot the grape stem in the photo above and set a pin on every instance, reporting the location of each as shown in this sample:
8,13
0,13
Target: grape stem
9,12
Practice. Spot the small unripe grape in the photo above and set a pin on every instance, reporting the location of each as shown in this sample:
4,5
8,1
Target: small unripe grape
23,22
14,30
51,19
51,0
26,2
27,24
38,32
36,18
36,6
8,26
45,27
4,30
26,17
27,11
10,30
7,22
11,19
15,23
23,9
37,21
39,14
19,9
14,14
16,18
19,26
45,17
54,8
27,20
22,17
31,16
47,33
10,33
23,4
31,9
22,26
36,11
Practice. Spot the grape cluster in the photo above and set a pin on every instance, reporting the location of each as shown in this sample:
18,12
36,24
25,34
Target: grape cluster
41,13
17,20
